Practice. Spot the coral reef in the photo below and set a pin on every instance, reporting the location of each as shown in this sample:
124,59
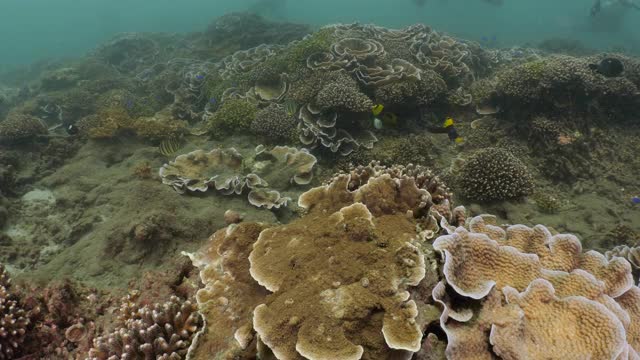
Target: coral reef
494,174
274,123
363,301
531,284
13,319
343,94
560,82
234,116
158,331
17,126
228,172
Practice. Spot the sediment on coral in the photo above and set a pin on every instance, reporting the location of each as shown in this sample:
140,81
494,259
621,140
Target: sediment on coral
290,300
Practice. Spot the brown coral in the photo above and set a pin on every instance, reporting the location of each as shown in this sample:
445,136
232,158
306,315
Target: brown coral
563,289
162,331
343,94
13,320
18,126
354,302
229,295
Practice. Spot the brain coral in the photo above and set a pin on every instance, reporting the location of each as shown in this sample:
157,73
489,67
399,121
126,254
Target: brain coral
494,174
540,296
352,302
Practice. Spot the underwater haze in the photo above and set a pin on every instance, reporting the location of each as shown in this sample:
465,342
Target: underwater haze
326,179
37,29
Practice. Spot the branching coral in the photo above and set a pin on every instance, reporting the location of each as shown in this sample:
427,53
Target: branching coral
13,320
274,123
343,94
423,91
235,115
494,174
541,296
162,331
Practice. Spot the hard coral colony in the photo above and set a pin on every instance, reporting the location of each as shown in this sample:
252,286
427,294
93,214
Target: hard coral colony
314,164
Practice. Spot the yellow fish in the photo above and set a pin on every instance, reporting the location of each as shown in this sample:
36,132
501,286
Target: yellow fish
377,109
448,122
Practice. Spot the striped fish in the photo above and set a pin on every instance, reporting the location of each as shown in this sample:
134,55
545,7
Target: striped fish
290,107
170,145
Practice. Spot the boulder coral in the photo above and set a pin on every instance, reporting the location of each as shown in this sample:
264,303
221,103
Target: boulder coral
539,295
18,126
356,301
494,174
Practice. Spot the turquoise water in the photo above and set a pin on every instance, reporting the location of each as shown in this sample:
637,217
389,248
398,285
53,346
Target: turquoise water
37,29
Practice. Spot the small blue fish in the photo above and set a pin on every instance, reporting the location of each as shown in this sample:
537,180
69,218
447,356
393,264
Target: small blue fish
213,101
635,200
494,38
129,104
199,76
484,39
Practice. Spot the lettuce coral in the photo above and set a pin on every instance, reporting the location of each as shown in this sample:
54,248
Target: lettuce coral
353,302
540,296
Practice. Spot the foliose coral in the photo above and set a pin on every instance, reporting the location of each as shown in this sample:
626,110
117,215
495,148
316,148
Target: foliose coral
265,174
13,320
332,306
531,288
161,331
494,174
